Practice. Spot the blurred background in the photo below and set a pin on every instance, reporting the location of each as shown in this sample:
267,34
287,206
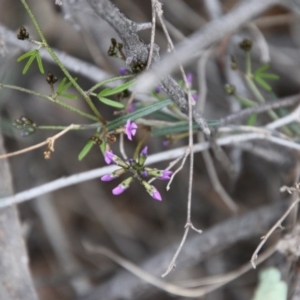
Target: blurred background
132,224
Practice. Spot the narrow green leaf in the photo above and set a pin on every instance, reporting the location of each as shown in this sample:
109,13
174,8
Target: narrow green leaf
39,62
69,84
25,55
86,149
29,62
139,113
69,96
116,90
262,69
61,86
269,76
111,102
263,84
252,120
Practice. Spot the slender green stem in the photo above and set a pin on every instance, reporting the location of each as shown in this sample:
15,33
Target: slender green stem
78,127
13,87
261,99
62,67
103,82
248,65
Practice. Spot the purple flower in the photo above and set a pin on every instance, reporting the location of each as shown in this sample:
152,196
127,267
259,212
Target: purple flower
157,89
165,175
165,143
123,71
130,129
109,156
155,194
108,177
119,189
144,151
124,185
145,173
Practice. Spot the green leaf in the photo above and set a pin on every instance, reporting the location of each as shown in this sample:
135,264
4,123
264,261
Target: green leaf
139,113
63,86
25,55
263,84
262,69
116,90
269,76
39,62
28,64
86,149
252,120
69,96
111,102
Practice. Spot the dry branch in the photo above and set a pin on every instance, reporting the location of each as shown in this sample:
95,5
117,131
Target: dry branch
198,248
15,279
138,52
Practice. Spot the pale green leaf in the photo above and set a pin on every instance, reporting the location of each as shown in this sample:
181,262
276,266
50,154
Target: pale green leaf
86,149
111,102
116,90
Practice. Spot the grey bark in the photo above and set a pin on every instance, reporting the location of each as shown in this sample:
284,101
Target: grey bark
15,278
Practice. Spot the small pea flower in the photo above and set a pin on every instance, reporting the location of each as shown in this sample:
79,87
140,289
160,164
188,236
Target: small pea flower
123,71
124,185
130,129
157,89
108,157
165,175
151,190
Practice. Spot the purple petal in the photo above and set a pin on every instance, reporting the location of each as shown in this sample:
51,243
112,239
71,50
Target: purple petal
108,157
157,89
145,151
195,96
165,175
130,129
165,143
107,177
145,174
156,195
123,71
118,190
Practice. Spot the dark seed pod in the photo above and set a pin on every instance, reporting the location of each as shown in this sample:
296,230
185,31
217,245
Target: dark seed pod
246,45
96,140
23,34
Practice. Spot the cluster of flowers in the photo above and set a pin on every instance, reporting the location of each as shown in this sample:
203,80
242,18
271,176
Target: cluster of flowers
135,167
139,171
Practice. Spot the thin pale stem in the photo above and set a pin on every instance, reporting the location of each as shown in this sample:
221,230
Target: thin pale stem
268,234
